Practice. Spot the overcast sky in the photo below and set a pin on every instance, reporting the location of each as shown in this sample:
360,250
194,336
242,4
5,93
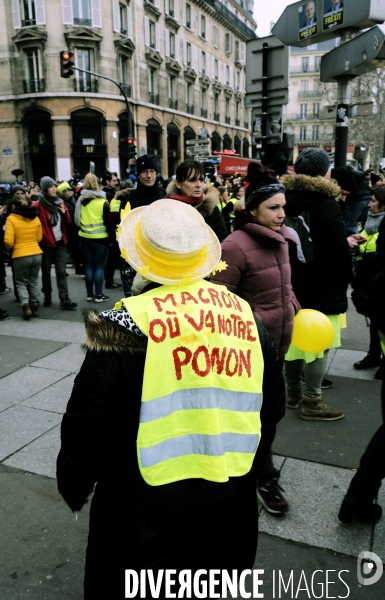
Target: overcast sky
266,11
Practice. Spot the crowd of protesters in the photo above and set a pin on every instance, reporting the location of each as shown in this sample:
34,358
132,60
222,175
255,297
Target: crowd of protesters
290,242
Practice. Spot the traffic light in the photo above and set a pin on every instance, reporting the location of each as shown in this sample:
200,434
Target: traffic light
66,63
131,147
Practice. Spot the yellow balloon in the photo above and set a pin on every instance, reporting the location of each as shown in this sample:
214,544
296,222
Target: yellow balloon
313,331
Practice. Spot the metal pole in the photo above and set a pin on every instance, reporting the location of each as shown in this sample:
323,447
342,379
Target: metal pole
265,72
343,110
121,89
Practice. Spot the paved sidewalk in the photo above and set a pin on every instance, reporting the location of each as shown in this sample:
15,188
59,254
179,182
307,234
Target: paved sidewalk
44,544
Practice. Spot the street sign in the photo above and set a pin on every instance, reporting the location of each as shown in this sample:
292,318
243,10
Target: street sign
360,55
304,23
278,65
276,98
196,142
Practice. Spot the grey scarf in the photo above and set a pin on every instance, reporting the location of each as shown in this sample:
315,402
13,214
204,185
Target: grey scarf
373,221
51,203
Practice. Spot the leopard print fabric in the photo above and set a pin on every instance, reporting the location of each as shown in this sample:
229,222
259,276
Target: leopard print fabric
122,318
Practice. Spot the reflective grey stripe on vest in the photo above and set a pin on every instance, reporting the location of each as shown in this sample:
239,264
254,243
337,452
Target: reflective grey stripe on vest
209,445
96,227
199,398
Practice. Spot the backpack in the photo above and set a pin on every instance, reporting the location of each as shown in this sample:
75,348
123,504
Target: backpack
368,286
300,229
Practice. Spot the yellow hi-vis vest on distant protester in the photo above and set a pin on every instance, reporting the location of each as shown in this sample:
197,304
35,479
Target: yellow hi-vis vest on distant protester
202,386
91,220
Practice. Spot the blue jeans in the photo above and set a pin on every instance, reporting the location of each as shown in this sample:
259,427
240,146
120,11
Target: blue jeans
95,255
352,213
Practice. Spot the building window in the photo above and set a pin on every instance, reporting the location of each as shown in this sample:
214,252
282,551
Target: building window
302,133
190,98
215,36
173,102
33,81
317,62
303,111
170,44
28,14
188,15
216,69
228,43
170,8
316,109
304,85
203,103
82,12
153,86
216,103
237,80
83,81
123,19
124,74
315,132
305,64
188,54
203,62
152,28
203,27
227,75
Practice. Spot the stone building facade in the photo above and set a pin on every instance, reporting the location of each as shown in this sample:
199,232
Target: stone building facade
181,63
307,114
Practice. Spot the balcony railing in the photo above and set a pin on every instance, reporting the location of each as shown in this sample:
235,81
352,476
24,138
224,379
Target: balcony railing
310,137
216,116
153,98
204,112
127,89
172,103
190,109
85,85
33,85
84,22
227,120
123,31
28,22
237,122
302,117
302,70
309,93
246,124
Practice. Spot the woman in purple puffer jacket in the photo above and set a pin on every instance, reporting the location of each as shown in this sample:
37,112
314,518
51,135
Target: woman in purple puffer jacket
258,270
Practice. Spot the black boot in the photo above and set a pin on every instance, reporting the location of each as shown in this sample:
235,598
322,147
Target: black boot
366,513
368,362
47,299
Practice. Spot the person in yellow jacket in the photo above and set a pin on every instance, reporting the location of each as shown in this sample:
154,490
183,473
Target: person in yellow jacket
374,357
166,416
23,232
91,214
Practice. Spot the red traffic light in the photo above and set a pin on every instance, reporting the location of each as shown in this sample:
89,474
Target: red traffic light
66,63
131,140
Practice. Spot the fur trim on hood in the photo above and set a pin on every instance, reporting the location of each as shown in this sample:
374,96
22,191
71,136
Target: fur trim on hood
304,183
105,335
209,202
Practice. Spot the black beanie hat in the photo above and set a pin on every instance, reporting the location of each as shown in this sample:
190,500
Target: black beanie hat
344,178
146,162
17,187
313,162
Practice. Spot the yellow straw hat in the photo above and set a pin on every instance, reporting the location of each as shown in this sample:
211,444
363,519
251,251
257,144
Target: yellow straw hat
168,242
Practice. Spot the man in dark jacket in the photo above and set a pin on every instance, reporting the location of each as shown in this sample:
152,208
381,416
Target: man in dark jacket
193,505
322,284
148,189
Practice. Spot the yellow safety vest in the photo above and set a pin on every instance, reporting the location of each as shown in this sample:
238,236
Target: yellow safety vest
91,220
202,386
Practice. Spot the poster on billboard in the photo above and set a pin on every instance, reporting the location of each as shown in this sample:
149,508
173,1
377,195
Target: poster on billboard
307,20
333,14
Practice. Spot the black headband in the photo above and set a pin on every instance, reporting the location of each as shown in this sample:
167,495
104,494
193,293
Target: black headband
264,193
